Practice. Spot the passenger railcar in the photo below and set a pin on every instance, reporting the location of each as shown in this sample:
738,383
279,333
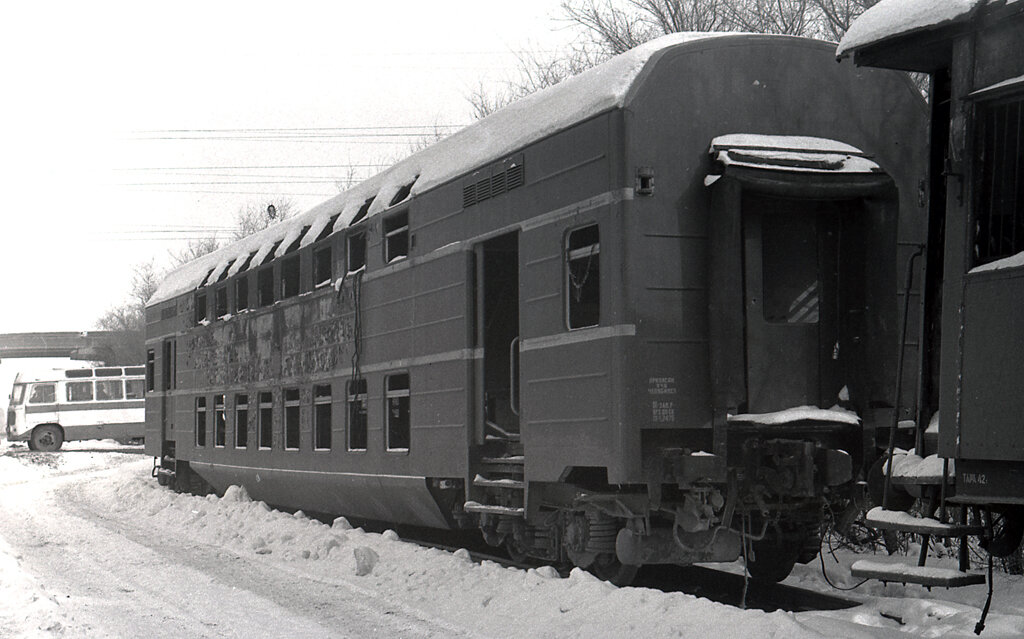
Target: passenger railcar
968,462
610,323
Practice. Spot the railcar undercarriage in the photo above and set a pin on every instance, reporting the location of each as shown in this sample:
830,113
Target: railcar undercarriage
764,501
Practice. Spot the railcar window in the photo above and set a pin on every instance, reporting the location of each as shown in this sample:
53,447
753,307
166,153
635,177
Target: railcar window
133,388
583,277
150,370
79,391
220,421
397,399
242,293
109,389
789,266
396,237
999,214
42,394
200,421
221,301
356,254
322,266
357,414
266,419
290,277
291,419
265,286
322,417
201,314
241,421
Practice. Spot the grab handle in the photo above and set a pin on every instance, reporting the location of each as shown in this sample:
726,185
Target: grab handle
513,350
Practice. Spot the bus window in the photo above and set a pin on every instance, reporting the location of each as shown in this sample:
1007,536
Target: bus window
79,391
109,389
17,394
133,388
43,394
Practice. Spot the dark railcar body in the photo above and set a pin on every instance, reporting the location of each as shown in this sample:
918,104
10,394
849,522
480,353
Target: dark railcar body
970,394
552,341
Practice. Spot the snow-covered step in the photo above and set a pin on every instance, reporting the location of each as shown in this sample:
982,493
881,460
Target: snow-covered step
476,507
882,519
513,484
922,471
922,575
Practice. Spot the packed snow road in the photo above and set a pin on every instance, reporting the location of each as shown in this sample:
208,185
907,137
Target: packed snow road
90,546
109,575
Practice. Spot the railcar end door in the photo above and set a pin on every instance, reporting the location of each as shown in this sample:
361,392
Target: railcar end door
790,294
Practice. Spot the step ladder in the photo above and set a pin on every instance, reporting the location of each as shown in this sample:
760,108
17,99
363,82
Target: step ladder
928,576
500,479
932,475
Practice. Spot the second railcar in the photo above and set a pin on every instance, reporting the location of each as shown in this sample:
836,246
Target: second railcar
623,321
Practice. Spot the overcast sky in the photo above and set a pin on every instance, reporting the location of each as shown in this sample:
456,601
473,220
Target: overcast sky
120,115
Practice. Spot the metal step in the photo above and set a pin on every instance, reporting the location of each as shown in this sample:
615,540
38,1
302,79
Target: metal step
513,484
476,507
882,519
922,575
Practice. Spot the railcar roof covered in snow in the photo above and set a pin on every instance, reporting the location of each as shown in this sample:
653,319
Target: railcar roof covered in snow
894,18
536,116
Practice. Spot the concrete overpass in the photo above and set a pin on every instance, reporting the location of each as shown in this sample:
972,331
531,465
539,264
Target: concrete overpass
100,346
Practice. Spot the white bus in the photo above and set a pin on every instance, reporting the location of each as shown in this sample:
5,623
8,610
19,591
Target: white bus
81,403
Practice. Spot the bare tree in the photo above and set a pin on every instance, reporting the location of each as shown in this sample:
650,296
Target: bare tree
788,17
536,71
130,317
610,27
195,248
837,15
256,216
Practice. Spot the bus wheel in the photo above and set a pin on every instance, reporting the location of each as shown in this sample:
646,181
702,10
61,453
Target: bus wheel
47,438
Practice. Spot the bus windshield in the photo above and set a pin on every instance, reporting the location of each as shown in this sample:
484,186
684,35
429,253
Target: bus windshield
17,394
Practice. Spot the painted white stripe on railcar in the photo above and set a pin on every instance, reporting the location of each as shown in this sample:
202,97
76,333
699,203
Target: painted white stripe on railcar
450,356
576,337
603,199
305,472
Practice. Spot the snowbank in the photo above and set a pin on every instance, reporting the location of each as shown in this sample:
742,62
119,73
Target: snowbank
506,602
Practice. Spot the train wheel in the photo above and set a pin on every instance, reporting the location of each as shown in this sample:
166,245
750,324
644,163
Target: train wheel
607,567
774,557
47,438
515,550
1007,532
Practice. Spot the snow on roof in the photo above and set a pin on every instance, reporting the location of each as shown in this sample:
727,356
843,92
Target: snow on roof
782,142
799,413
891,18
594,91
1012,261
790,153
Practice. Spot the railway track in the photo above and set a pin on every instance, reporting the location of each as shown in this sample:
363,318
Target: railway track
700,581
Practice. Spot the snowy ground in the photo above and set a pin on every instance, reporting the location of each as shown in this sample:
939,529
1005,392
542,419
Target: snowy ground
91,546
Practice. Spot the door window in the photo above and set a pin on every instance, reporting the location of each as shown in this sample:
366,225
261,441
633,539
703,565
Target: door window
42,394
